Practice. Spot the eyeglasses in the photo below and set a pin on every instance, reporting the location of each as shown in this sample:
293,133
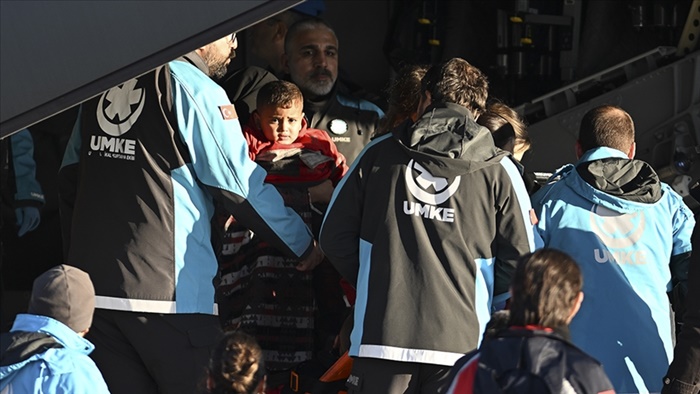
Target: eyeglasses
232,38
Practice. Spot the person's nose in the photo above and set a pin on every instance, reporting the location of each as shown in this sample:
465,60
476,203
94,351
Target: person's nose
320,60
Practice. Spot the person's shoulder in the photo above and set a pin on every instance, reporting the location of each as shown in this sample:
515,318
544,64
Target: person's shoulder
554,185
670,194
350,100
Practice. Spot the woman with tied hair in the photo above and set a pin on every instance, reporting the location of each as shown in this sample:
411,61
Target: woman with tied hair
507,128
509,133
236,366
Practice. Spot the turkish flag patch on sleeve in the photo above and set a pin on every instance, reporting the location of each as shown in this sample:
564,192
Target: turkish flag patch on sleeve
228,112
533,217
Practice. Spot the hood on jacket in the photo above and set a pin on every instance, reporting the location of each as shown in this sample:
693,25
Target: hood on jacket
18,346
448,136
613,173
35,337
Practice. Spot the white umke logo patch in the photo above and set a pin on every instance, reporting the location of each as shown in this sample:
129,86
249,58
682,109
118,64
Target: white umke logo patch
421,185
431,191
117,117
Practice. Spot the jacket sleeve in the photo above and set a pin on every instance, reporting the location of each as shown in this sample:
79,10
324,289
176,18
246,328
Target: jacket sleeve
516,229
684,373
340,233
683,224
27,189
68,183
219,157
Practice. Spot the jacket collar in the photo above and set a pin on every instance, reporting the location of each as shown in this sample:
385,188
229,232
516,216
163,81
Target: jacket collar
194,59
602,152
63,334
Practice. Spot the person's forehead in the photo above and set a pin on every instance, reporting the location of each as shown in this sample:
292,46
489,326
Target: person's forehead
274,110
319,37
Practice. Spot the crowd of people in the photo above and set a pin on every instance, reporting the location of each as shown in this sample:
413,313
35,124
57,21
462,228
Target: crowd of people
239,232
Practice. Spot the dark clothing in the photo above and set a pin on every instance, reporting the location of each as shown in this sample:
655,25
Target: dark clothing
427,225
153,353
369,375
683,375
261,292
145,164
137,191
21,345
528,360
350,121
242,87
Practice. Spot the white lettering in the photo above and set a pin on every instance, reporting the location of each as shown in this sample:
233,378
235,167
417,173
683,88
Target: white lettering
429,211
107,144
622,257
130,147
113,145
95,142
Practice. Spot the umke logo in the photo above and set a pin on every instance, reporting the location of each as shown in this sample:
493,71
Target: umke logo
117,111
430,190
117,117
619,232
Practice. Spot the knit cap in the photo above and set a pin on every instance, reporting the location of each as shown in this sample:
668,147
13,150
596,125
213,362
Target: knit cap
64,293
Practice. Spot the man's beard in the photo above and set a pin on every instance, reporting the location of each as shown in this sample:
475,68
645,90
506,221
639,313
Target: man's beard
318,88
217,66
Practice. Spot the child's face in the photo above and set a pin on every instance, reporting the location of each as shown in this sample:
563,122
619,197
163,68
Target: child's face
281,125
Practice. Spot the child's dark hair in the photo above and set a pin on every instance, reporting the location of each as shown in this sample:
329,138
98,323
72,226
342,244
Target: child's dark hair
236,365
544,289
278,94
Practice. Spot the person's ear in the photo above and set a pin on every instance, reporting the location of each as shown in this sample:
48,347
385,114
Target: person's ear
579,149
280,31
575,308
632,151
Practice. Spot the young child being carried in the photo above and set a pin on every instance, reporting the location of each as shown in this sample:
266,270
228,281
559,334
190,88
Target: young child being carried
262,291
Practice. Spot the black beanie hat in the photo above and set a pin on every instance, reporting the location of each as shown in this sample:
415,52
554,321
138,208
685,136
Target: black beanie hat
64,293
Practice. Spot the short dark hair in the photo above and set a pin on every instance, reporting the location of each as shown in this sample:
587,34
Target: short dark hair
310,23
544,289
606,125
236,364
457,81
281,94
